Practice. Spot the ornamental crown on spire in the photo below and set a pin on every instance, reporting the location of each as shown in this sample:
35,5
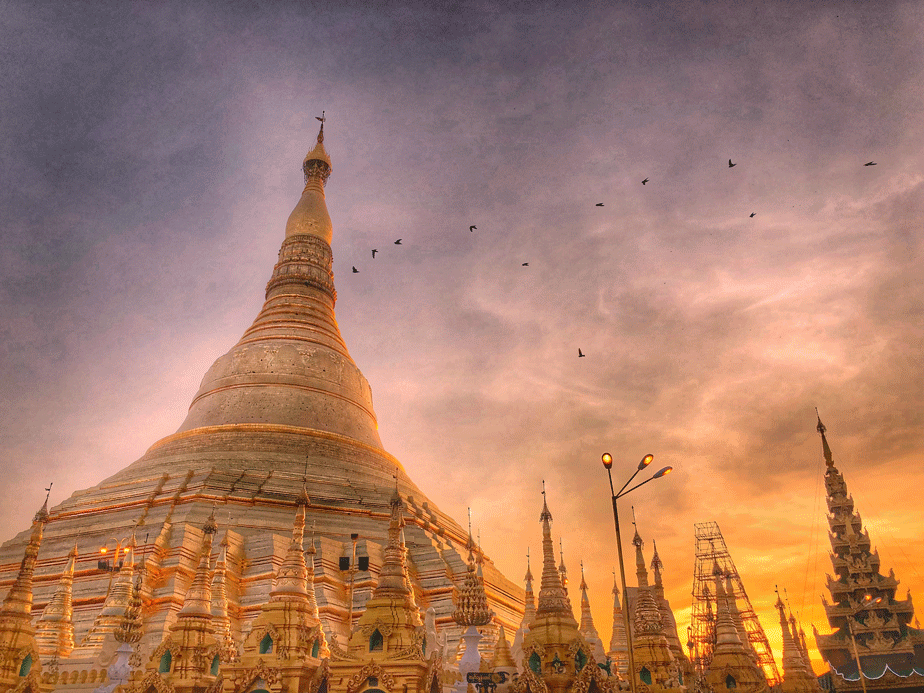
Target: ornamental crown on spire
317,164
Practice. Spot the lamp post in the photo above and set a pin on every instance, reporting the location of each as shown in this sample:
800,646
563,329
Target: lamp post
608,463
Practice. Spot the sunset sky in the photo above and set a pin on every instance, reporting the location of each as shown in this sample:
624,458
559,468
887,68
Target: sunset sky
151,154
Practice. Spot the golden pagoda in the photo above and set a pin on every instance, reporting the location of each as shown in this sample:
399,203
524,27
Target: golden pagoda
387,648
284,407
587,627
872,637
54,630
732,665
798,676
285,644
668,623
655,666
557,657
20,665
619,648
188,660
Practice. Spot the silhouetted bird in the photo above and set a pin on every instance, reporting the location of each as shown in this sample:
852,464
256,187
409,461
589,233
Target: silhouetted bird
599,204
525,264
580,354
472,228
645,181
753,214
871,163
355,271
730,164
374,251
398,242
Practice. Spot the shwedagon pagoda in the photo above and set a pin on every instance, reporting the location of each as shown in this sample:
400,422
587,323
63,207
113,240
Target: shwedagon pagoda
272,545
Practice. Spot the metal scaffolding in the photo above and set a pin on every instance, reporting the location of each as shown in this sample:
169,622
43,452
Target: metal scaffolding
711,550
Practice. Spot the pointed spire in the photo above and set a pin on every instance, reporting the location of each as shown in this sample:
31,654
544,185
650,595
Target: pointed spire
17,635
726,635
392,581
656,566
552,595
619,644
18,601
502,658
130,627
529,609
220,615
826,450
55,628
647,613
198,602
587,627
793,666
562,570
292,577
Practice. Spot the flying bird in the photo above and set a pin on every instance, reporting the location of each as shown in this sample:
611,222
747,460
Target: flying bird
645,181
870,163
355,271
581,354
730,164
599,204
753,214
525,264
398,242
472,228
374,251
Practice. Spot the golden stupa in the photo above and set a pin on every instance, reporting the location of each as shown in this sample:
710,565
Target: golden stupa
285,408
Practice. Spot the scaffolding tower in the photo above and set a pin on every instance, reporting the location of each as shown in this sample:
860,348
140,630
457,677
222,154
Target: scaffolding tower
711,551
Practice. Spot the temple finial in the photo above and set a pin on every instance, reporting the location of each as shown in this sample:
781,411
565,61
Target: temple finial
545,515
323,118
42,514
829,460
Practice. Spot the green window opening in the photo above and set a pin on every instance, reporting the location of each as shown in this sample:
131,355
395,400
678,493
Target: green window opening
26,665
645,676
166,659
213,670
376,642
730,682
316,648
266,645
535,663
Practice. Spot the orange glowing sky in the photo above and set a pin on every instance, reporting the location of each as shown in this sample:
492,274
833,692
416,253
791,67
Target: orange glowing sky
151,157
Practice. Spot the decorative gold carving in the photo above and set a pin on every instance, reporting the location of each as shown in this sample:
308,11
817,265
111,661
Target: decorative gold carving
386,682
242,681
152,680
320,674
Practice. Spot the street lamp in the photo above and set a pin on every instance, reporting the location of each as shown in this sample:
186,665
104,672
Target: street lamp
608,463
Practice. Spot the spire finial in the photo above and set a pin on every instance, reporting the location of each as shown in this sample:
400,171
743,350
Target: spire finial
42,514
323,119
825,448
545,515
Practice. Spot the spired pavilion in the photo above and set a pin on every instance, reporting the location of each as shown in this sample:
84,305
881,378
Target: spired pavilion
282,426
873,646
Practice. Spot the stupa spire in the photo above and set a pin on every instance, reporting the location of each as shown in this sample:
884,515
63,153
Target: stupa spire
552,595
55,628
198,602
587,627
796,676
502,658
18,650
220,613
647,613
292,577
529,609
825,448
619,643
